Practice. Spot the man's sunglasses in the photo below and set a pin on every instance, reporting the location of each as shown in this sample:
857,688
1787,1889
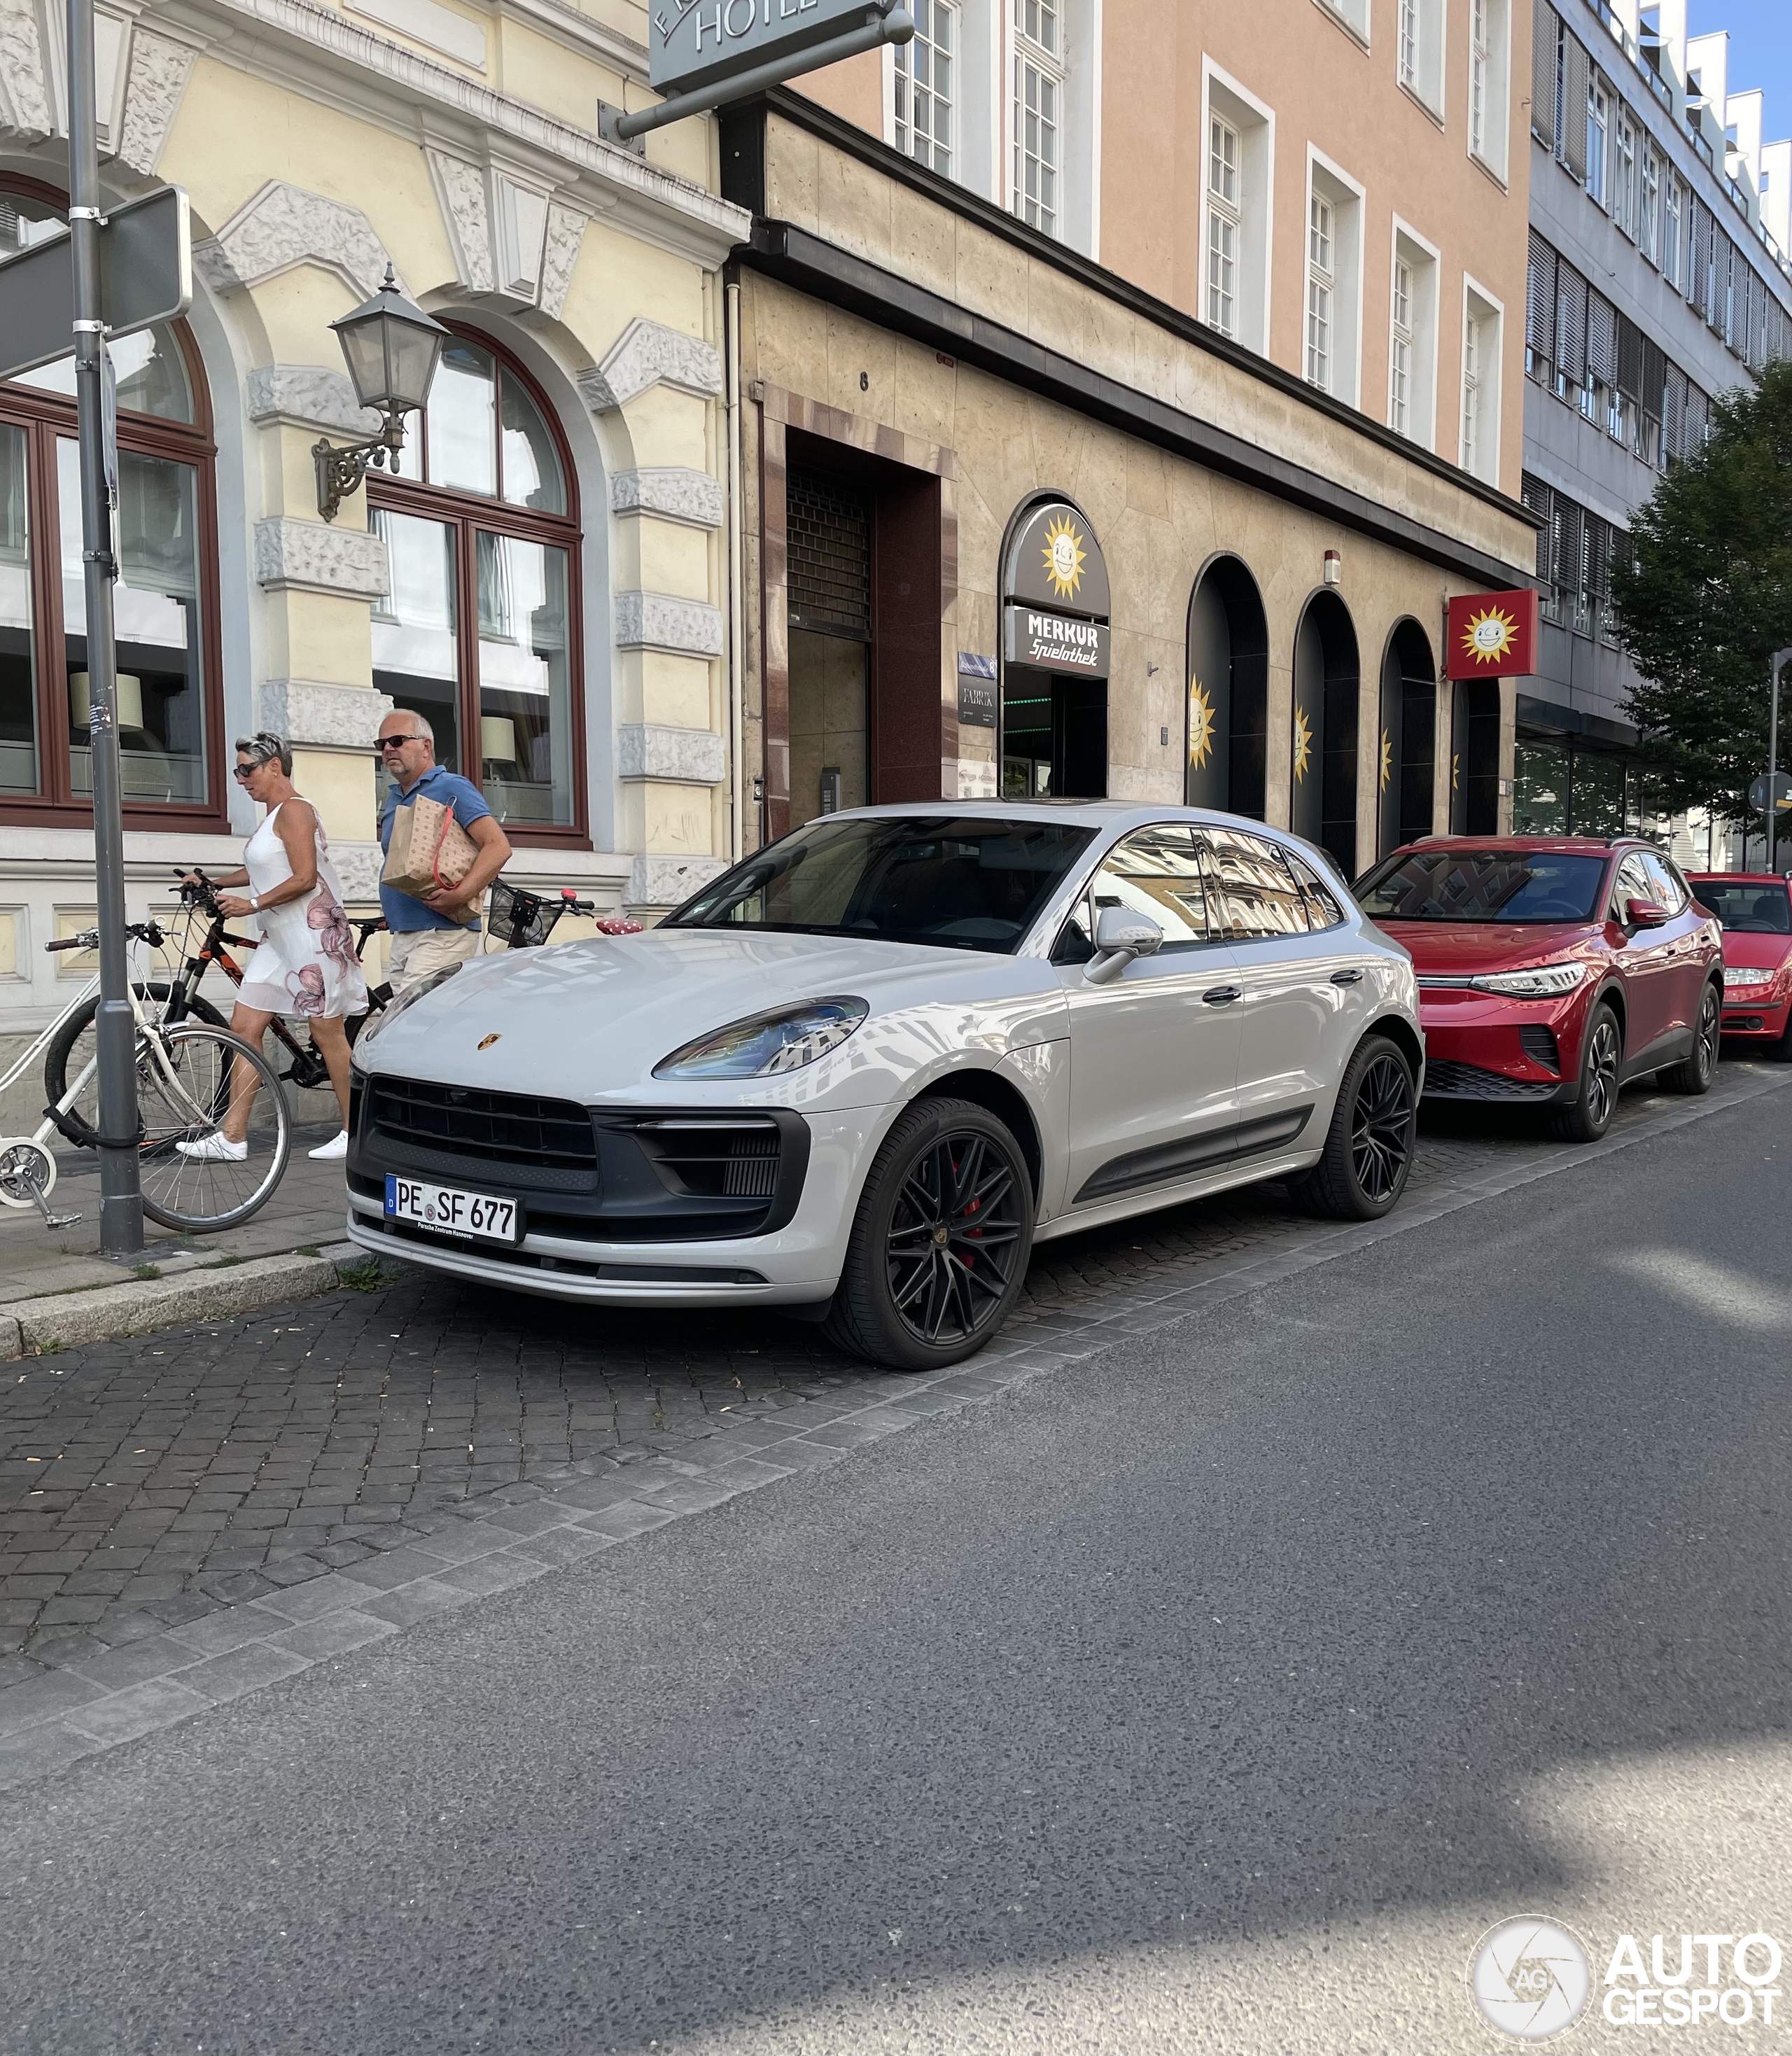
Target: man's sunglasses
393,742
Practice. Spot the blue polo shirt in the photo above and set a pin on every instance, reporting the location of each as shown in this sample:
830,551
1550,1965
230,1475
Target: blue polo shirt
404,915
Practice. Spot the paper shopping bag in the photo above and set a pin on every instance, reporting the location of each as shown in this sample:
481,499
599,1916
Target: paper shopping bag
429,848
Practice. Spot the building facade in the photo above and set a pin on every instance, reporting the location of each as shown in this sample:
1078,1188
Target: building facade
546,576
1659,281
1126,390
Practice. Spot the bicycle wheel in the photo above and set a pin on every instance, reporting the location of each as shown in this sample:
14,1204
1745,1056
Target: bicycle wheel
182,1081
70,1055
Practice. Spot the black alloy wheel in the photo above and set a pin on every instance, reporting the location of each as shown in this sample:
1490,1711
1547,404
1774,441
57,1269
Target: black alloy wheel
1601,1064
1368,1153
1694,1072
940,1244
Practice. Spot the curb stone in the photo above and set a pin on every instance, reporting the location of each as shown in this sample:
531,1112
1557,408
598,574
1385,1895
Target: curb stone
133,1306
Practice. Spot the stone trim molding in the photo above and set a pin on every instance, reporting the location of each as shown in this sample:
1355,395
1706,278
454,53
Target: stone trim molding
311,714
648,354
283,226
672,492
662,621
671,755
25,105
510,237
156,79
460,195
424,21
307,395
667,881
306,555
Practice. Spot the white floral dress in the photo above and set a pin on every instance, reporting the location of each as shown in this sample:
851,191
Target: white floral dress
305,962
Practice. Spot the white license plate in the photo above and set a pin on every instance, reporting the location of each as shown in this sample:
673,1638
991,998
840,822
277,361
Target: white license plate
443,1210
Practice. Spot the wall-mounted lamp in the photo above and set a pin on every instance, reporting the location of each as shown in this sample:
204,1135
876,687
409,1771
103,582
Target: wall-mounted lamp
1333,567
391,348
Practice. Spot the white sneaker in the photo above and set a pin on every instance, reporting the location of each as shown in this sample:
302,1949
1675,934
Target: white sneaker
332,1152
217,1148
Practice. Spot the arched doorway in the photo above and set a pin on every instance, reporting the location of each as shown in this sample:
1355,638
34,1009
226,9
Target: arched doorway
1407,750
1227,716
1054,655
1323,750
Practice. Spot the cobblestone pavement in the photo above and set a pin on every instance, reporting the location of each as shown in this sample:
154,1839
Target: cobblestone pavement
145,1483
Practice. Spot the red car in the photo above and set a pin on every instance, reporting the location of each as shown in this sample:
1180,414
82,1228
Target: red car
1552,969
1755,908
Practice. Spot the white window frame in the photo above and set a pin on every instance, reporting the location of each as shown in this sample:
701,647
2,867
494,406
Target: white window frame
1490,84
1049,68
1255,121
1481,311
1224,217
1422,24
1599,124
1351,16
905,92
978,106
1424,260
1648,201
1344,377
1077,68
1625,165
1673,228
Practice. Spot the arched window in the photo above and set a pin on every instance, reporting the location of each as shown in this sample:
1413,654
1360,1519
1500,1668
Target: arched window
170,708
480,632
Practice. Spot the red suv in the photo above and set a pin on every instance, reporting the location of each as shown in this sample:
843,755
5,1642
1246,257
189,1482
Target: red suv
1553,970
1756,911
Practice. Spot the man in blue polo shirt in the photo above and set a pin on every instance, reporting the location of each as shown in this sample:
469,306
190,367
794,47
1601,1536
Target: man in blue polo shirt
426,938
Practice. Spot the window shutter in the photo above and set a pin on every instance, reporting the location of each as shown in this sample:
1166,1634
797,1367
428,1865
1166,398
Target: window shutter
1571,324
1576,79
1540,301
1546,31
1673,414
1655,377
1602,339
1699,284
1630,359
1567,540
1537,496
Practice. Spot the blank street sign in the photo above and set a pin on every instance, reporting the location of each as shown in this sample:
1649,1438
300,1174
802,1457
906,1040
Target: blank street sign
146,275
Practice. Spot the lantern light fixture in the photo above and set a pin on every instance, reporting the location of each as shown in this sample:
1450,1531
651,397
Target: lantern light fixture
391,348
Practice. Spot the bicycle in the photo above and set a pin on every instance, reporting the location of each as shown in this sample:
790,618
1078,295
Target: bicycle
524,920
183,1070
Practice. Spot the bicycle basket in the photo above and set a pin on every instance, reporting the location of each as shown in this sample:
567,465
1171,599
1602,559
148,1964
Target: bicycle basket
522,920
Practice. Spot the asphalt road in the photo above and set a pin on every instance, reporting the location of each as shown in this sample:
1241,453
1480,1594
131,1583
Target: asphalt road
1216,1693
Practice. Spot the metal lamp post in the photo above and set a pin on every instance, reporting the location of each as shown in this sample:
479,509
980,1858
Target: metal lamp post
391,348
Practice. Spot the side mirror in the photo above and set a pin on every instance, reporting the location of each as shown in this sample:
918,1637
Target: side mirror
1121,935
1646,913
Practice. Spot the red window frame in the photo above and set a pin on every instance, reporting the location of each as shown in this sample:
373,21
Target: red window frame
44,416
470,514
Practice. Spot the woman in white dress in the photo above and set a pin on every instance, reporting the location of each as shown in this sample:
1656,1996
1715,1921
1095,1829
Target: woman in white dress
304,964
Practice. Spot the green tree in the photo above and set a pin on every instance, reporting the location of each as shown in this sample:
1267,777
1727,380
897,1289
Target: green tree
1708,600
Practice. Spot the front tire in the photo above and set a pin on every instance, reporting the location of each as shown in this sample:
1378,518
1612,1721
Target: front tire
1601,1062
1693,1073
1369,1147
939,1247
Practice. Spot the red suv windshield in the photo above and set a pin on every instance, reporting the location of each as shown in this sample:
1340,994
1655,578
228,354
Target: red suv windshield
1504,885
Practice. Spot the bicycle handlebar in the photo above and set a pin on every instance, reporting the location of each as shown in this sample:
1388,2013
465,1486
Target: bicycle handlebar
88,938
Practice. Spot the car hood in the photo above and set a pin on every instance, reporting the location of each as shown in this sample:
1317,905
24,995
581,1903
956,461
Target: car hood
1744,951
1465,949
589,1020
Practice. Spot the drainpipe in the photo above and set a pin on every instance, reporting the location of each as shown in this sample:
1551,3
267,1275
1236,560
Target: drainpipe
736,605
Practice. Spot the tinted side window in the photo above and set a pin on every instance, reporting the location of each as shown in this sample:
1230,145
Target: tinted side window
1074,945
1322,910
1253,888
1156,871
1666,880
1633,882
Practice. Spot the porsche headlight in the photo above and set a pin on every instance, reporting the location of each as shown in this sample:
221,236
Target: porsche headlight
378,1023
766,1045
1540,981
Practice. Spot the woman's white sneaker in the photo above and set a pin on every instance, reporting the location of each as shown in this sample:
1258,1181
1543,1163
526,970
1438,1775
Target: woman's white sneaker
216,1149
332,1152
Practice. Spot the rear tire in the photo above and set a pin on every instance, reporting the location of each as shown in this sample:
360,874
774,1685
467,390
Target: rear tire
1601,1065
939,1247
1694,1072
1369,1146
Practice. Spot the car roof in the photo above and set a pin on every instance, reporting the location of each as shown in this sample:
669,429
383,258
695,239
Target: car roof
1578,845
1737,877
1089,813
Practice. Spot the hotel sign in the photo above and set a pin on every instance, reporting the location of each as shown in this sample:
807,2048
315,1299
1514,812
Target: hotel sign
1056,642
695,43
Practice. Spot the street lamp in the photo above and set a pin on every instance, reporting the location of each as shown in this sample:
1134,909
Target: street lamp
390,347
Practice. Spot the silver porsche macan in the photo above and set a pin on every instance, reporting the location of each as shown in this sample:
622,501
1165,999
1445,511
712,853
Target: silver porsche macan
861,1075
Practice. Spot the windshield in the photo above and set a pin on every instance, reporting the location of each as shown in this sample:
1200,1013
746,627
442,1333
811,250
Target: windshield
958,882
1746,907
1506,885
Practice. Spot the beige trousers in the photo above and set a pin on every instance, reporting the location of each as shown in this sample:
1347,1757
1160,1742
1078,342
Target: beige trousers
417,953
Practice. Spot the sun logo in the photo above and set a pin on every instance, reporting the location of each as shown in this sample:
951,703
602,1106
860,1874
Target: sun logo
1065,557
1303,743
1387,760
1491,635
1201,724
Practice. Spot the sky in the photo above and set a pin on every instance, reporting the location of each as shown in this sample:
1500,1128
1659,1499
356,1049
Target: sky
1760,51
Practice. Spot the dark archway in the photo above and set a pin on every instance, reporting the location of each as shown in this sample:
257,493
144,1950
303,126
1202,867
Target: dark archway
1407,750
1227,717
1327,676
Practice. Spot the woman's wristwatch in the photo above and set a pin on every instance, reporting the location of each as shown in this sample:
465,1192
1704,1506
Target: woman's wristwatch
255,902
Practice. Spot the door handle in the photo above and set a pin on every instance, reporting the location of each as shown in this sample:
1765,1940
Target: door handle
1222,995
1346,977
